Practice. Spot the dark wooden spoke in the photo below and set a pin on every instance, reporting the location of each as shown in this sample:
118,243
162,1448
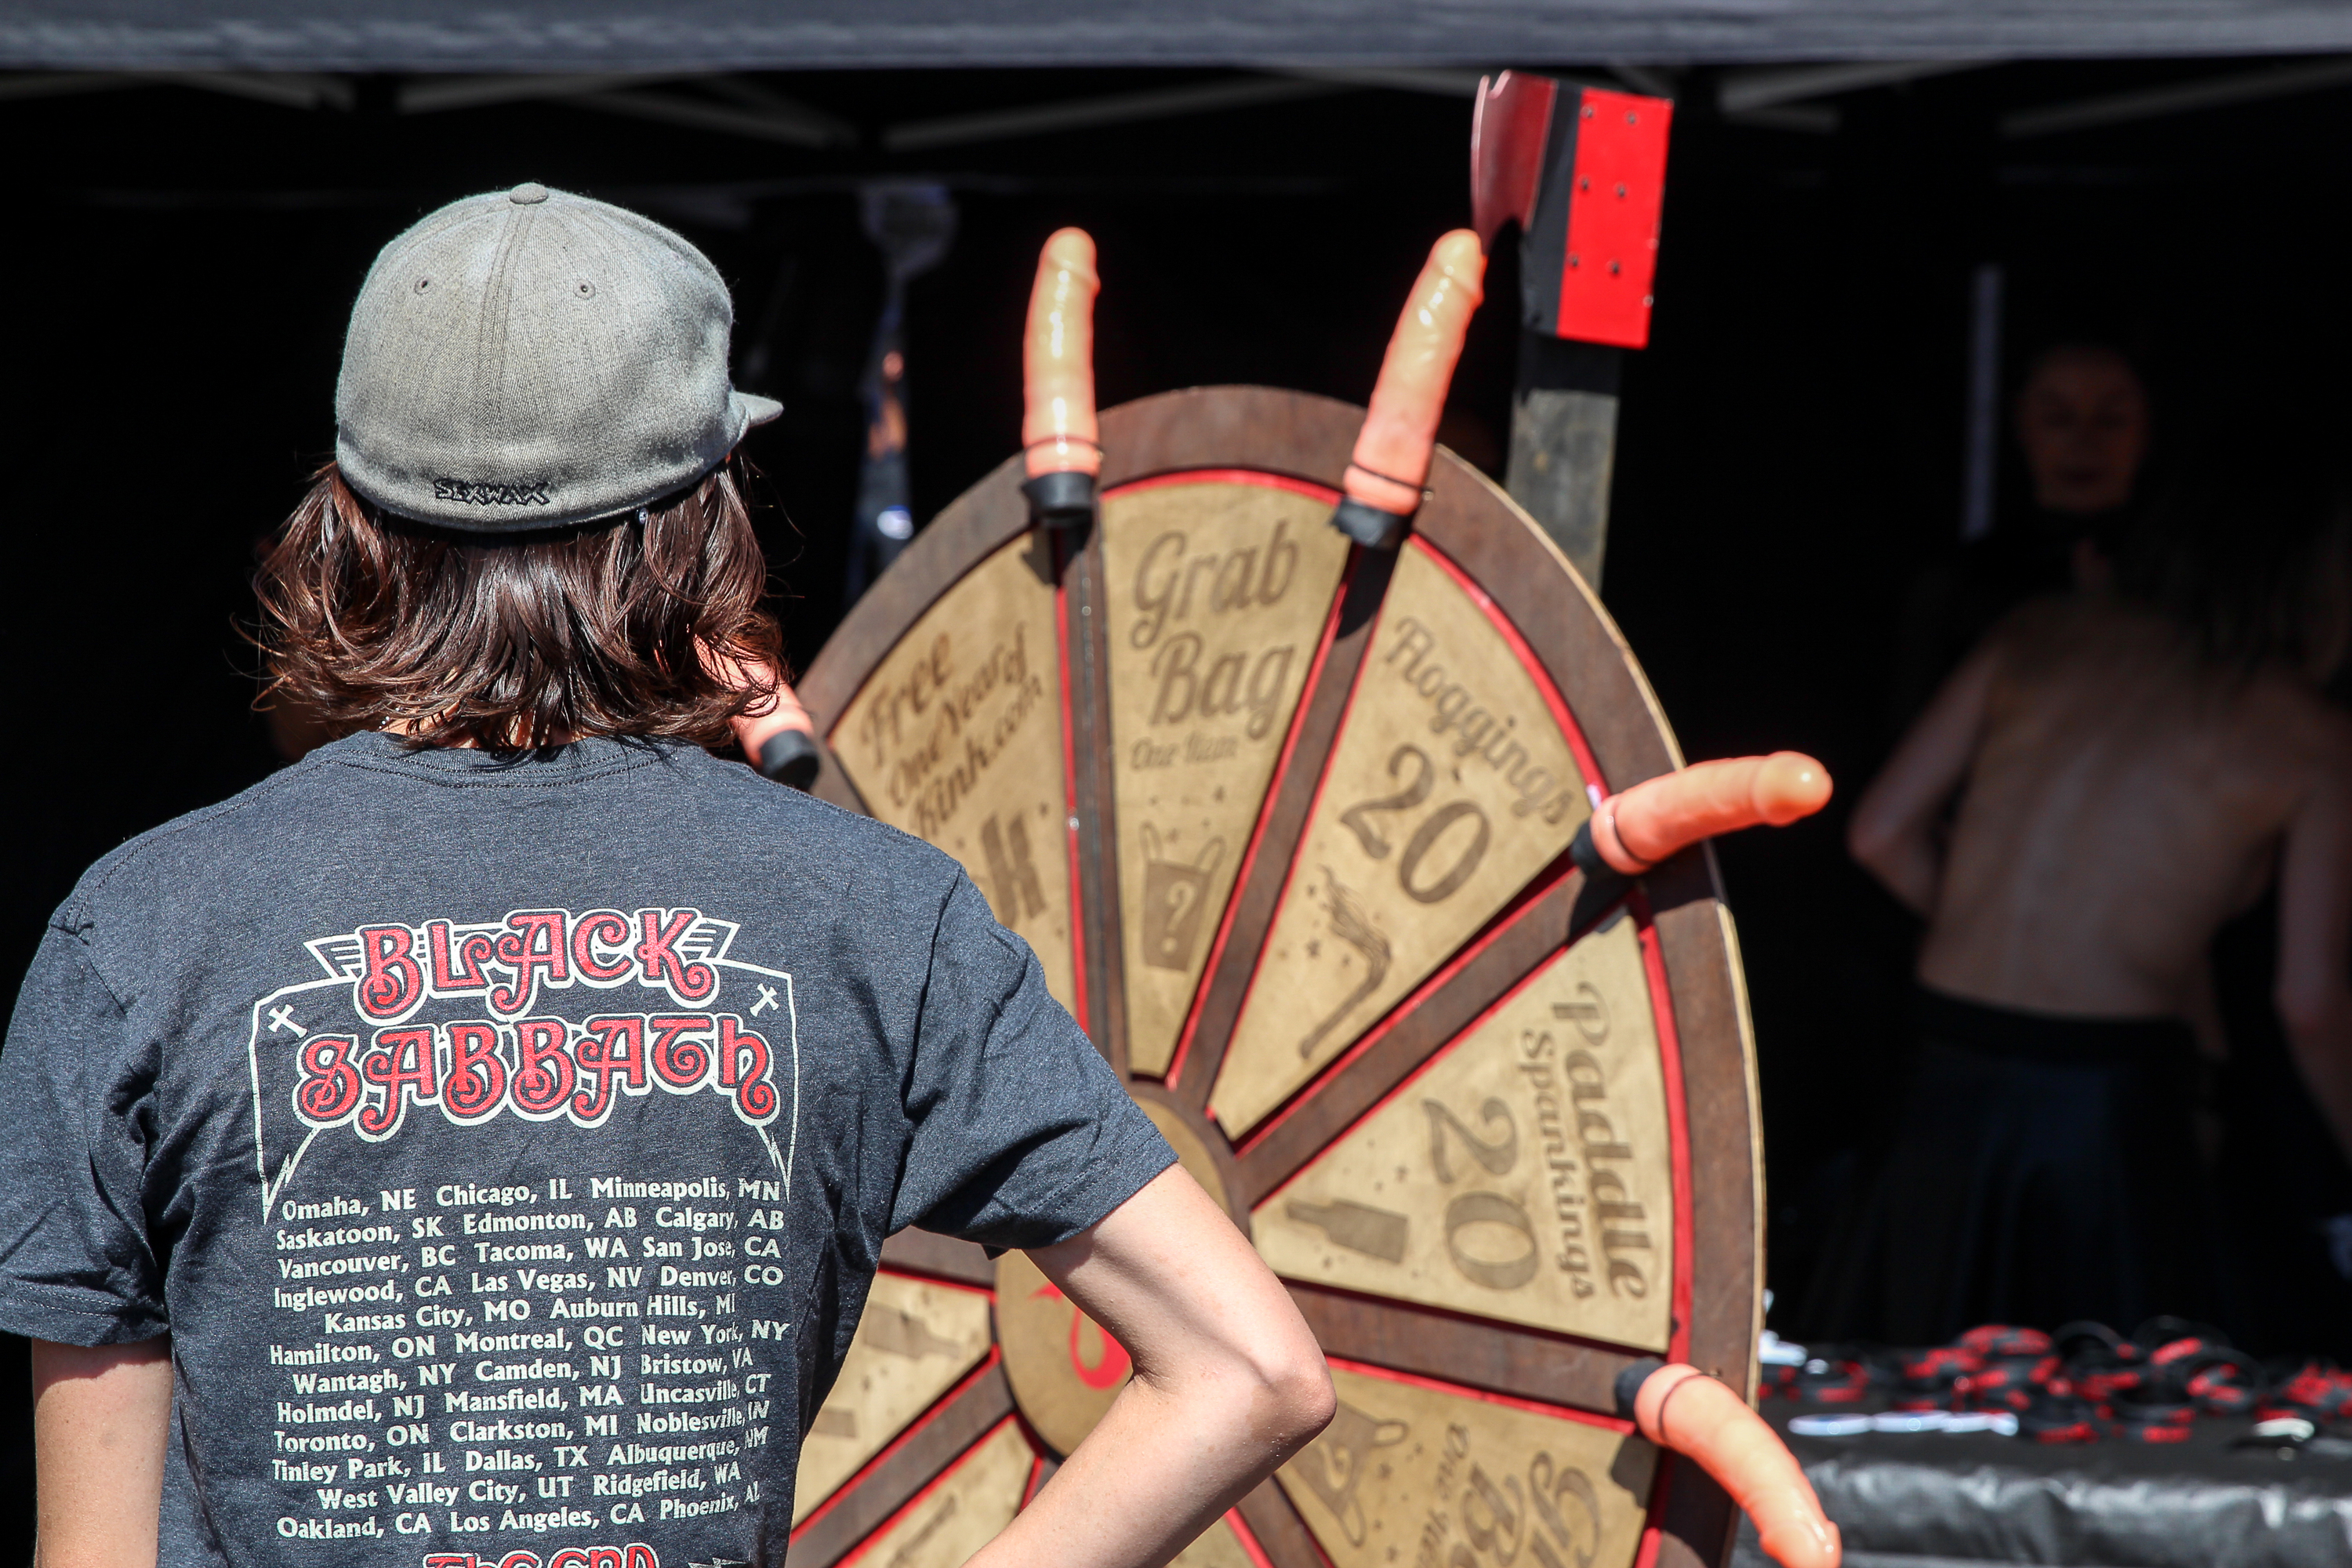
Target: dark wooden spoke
941,1256
1503,954
1276,432
1259,893
1086,625
1473,1352
1695,1517
1578,644
1279,1531
861,1507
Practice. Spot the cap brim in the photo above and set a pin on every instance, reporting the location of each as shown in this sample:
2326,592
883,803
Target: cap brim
756,409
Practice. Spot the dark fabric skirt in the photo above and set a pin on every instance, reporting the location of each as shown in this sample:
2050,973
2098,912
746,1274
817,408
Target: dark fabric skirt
2039,1168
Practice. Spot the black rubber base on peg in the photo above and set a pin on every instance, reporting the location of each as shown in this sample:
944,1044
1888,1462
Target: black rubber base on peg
1630,1382
1587,854
1065,499
1370,526
790,757
1599,874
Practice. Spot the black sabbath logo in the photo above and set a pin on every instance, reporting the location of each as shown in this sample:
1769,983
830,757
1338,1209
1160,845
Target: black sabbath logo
538,1068
517,1054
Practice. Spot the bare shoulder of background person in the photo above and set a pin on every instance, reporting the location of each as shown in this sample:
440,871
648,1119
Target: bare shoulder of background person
2062,633
2286,724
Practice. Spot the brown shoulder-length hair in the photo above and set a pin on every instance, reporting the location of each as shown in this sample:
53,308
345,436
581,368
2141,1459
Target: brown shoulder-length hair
649,625
2250,553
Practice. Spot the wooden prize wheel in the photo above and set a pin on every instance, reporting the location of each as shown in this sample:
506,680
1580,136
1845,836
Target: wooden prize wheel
1285,820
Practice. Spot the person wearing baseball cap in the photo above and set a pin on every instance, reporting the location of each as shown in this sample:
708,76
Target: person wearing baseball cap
362,1137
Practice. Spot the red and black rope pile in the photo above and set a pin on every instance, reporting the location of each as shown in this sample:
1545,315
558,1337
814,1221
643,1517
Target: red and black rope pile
2085,1383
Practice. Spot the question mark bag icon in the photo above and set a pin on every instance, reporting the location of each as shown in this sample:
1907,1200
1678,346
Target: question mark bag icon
1173,897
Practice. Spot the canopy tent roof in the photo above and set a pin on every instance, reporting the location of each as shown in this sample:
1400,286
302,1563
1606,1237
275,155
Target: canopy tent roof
640,36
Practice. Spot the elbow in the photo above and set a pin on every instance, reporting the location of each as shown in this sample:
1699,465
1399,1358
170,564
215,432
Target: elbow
1269,1389
1294,1399
1307,1400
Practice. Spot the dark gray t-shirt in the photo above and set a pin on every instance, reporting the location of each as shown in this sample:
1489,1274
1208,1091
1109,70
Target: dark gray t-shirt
508,1148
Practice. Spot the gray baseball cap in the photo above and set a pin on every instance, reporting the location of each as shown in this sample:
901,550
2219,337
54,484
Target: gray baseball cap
530,358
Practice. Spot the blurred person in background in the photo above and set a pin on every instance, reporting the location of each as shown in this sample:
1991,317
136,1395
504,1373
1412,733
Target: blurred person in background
2106,779
2083,425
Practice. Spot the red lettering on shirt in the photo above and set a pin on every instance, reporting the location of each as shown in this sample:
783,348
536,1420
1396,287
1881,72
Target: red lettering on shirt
601,928
405,1064
610,1049
543,1074
457,970
743,1064
532,946
657,958
330,1089
680,1062
392,984
477,1078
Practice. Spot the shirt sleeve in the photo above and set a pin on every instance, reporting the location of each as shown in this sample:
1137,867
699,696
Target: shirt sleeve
1021,1135
76,1263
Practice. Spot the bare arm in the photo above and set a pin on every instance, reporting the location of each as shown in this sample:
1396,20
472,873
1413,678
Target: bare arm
2314,997
101,1418
1892,833
1228,1385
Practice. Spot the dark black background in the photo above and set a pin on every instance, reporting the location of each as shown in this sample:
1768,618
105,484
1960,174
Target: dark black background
177,266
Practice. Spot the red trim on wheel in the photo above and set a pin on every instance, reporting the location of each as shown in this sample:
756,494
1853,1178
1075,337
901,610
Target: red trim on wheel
1289,741
934,1484
1250,1548
1426,1064
1585,760
1258,476
1578,748
1507,917
1419,1309
1653,1534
